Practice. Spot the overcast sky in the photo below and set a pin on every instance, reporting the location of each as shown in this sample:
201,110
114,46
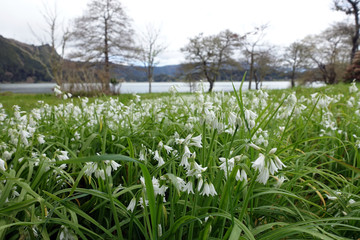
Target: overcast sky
179,20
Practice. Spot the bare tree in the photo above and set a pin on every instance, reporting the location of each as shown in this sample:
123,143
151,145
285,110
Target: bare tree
56,37
265,60
103,34
351,7
295,58
328,53
210,53
252,48
150,48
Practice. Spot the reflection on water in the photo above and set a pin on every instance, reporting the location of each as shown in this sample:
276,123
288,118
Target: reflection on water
143,87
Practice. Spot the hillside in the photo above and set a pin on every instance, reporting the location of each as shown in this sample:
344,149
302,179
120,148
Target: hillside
20,62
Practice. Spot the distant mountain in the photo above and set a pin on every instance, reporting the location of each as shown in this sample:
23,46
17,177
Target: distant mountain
20,62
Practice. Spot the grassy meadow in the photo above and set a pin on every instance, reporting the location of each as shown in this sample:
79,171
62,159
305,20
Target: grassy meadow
279,164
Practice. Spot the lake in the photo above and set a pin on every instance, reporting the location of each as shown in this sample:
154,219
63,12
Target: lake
143,87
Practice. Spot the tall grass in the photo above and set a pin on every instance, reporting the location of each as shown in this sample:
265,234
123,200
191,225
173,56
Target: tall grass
241,165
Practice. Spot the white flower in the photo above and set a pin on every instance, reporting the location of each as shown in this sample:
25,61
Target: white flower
114,165
41,139
168,149
188,188
330,197
241,176
232,119
196,141
157,189
195,170
90,168
227,165
57,90
208,189
278,163
200,183
108,170
263,176
67,234
63,156
353,87
2,164
141,202
158,158
259,163
132,205
184,160
159,230
352,201
254,146
142,154
280,181
100,173
272,151
6,155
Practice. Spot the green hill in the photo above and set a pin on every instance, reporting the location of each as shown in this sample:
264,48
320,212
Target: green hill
20,62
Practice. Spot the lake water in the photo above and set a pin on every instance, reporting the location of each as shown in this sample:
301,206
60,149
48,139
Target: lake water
143,87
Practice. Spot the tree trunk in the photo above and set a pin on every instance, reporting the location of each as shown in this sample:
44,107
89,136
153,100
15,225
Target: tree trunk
211,84
293,77
150,76
251,69
355,38
256,81
106,78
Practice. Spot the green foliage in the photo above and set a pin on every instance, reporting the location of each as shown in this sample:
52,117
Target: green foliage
116,168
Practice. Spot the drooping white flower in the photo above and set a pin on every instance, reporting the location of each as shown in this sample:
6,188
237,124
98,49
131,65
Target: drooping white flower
200,183
184,160
2,164
188,187
279,181
259,163
168,149
90,168
108,170
208,190
114,165
63,155
273,151
141,202
263,176
241,175
196,141
158,158
195,170
142,154
227,165
278,163
254,146
100,173
158,190
131,205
